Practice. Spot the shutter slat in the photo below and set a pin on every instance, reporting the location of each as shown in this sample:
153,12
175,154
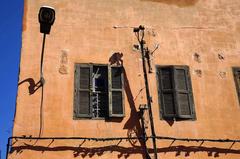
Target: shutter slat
168,103
166,78
181,79
84,102
183,100
116,77
84,77
117,102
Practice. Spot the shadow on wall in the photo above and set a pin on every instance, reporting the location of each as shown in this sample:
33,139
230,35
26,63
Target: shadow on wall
132,125
179,3
33,86
127,151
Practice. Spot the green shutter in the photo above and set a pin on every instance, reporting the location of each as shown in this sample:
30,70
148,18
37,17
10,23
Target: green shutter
236,73
82,93
116,106
183,89
166,91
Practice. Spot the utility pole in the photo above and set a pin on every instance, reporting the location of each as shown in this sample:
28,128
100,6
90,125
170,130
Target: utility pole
139,32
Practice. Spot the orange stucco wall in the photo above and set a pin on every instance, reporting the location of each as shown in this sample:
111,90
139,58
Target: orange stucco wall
84,33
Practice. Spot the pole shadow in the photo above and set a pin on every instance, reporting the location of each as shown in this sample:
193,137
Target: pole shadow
133,124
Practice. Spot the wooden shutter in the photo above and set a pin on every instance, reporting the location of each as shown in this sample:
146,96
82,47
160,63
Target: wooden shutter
166,92
116,108
183,89
236,73
82,93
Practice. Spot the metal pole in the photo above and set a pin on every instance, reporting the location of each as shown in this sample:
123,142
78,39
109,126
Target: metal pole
42,55
148,96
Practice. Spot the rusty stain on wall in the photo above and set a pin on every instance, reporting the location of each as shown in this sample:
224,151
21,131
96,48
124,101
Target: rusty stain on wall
179,3
63,62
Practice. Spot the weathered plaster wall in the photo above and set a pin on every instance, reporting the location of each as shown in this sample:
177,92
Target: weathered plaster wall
83,33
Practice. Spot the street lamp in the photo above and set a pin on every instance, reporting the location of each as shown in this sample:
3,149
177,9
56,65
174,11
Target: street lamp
46,17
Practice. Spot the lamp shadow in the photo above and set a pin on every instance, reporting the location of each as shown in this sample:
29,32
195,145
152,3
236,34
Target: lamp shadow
33,86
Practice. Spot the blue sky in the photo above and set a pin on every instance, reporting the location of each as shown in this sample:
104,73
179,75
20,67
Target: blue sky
11,13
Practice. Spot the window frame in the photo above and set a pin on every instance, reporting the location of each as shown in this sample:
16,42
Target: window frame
236,82
175,91
108,114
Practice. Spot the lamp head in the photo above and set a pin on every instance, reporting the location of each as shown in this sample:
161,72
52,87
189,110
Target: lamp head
46,17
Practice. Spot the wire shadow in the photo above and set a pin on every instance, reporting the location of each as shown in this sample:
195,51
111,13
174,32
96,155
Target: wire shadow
127,151
133,124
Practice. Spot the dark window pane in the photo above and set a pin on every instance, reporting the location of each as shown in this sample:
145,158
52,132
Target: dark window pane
84,77
100,78
184,106
84,102
181,79
168,102
116,77
166,78
117,107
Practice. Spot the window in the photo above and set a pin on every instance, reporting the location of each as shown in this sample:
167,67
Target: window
236,73
98,91
175,93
